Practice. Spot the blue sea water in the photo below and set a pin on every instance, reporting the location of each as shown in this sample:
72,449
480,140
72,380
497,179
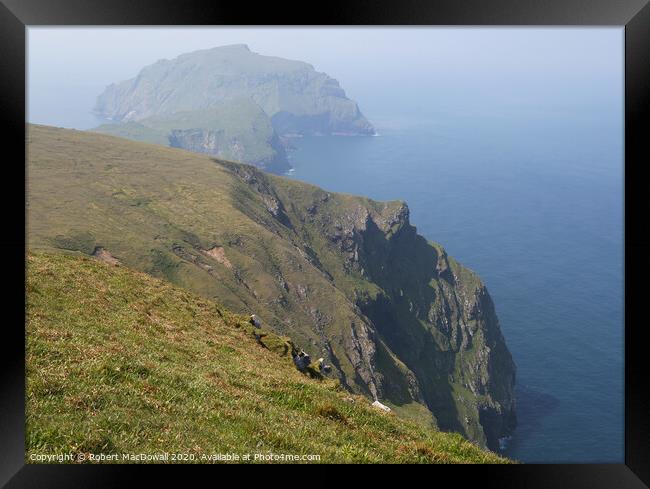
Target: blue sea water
533,204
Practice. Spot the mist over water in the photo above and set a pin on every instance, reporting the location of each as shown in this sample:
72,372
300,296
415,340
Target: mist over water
507,145
535,207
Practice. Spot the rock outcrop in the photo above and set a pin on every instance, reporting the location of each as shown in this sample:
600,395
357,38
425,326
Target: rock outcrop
420,305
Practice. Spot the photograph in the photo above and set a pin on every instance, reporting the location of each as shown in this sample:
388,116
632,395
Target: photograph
373,245
369,236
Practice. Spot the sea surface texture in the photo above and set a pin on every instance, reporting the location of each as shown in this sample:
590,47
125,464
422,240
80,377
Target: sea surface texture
535,207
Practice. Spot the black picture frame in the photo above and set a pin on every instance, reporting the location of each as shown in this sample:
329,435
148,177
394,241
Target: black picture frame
634,15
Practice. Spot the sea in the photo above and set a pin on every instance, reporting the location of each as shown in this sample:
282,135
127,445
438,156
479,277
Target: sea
531,200
534,204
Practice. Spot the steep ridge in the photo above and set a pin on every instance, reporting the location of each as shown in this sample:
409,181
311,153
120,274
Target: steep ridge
346,277
122,364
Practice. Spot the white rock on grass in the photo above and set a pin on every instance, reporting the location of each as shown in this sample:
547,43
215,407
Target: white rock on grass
381,406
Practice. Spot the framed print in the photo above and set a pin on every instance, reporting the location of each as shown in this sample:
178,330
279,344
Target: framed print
405,234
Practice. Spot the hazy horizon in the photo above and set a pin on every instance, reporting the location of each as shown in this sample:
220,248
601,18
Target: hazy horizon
469,69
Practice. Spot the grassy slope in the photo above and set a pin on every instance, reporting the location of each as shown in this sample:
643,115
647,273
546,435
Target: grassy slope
158,209
141,202
121,362
240,121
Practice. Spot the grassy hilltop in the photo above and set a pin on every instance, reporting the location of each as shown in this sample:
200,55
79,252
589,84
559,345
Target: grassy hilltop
347,278
120,362
237,130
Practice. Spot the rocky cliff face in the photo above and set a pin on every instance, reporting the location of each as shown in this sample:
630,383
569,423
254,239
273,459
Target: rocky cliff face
219,144
429,312
296,97
237,130
346,277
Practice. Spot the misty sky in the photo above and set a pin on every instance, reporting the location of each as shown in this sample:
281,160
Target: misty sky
387,70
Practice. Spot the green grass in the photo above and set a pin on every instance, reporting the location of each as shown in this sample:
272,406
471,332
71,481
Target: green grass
241,131
136,131
120,362
159,210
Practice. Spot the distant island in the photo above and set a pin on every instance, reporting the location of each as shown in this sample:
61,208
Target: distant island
231,103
